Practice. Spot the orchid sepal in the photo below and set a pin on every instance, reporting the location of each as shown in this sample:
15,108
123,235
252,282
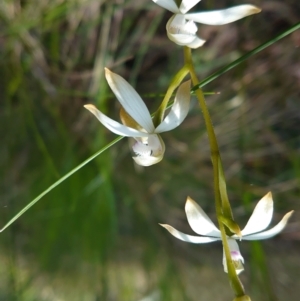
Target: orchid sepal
271,232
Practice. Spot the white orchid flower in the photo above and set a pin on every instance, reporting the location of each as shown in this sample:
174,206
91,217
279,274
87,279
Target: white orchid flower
181,28
202,224
149,148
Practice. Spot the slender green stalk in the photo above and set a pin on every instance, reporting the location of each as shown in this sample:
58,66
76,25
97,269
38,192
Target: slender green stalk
61,180
245,57
217,167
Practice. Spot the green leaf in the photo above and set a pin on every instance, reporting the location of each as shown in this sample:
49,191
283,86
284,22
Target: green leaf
60,181
245,57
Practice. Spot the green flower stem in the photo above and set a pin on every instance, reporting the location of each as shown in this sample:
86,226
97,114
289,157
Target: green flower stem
217,167
177,79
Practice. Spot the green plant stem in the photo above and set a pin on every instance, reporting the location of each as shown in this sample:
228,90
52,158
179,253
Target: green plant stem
177,79
217,167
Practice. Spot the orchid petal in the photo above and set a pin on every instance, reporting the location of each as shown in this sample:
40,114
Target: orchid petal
147,161
198,219
236,256
168,4
113,125
130,100
224,16
196,43
186,5
261,216
179,109
178,24
189,238
185,40
183,32
273,231
149,151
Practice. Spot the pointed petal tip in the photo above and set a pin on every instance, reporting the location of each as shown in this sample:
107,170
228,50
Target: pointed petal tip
189,200
90,107
255,10
269,195
268,199
289,214
108,73
112,78
169,228
191,204
251,9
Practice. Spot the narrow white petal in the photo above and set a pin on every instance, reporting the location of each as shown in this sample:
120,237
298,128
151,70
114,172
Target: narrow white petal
149,151
223,16
189,238
273,231
236,256
186,5
168,4
261,216
113,125
130,100
179,109
198,219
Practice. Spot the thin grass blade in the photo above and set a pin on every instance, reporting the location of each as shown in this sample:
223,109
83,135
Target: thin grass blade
60,181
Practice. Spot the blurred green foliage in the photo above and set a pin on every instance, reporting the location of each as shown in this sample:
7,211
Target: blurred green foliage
96,236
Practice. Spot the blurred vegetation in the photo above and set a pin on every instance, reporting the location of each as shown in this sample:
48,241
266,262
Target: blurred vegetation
96,236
